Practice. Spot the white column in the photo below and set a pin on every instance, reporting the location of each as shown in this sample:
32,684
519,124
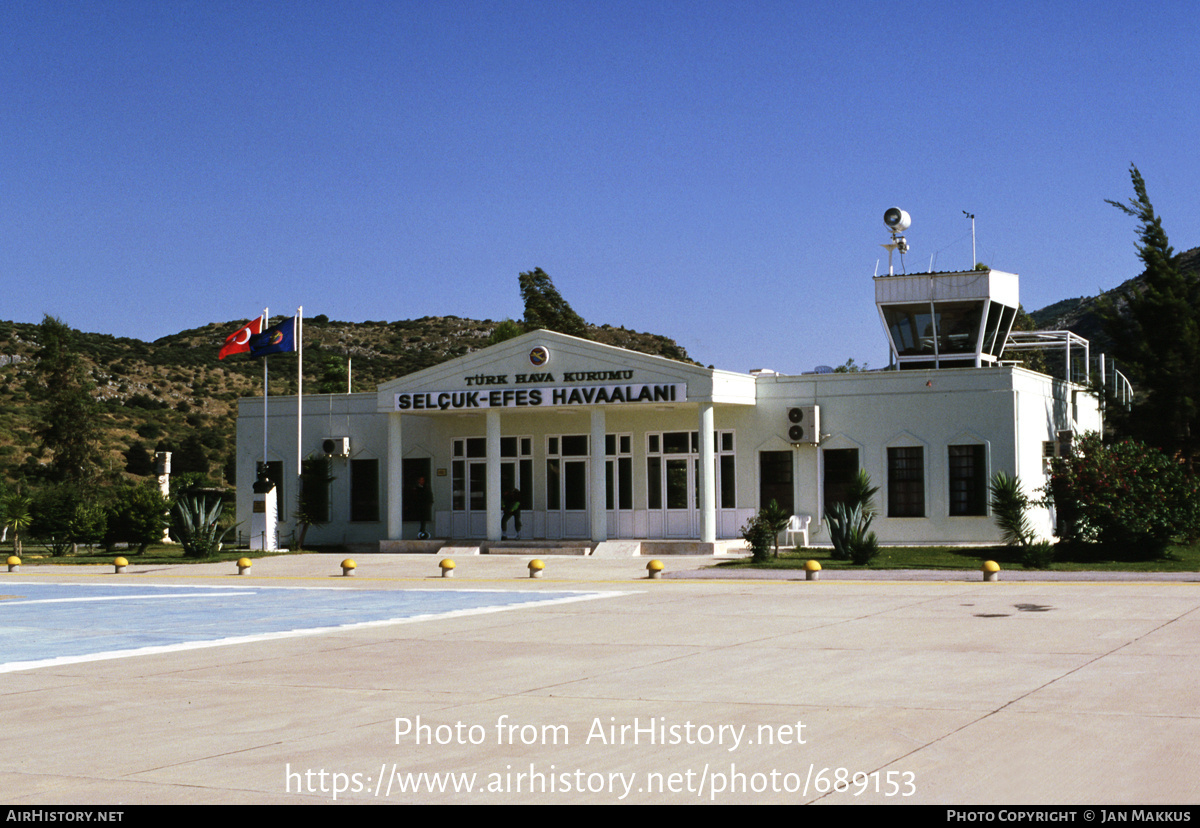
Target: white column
708,475
493,475
394,485
597,496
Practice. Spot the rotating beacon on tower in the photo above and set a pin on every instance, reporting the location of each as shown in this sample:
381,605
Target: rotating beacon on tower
897,221
943,320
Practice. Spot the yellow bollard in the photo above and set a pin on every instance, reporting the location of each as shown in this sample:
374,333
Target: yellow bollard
348,567
244,565
535,568
654,570
812,570
14,563
447,566
991,571
119,565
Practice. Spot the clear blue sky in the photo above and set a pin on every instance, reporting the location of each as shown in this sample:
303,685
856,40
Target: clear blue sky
713,171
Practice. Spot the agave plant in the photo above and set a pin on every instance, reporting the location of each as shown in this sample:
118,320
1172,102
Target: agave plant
841,522
850,522
196,528
849,529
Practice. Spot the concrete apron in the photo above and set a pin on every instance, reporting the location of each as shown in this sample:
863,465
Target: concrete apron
673,691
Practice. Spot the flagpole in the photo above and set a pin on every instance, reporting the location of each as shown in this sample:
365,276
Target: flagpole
265,319
298,334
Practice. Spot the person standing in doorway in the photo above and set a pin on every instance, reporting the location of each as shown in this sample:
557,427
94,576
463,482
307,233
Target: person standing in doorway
511,502
423,498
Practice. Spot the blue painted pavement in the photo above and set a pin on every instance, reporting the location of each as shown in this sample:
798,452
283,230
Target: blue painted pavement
46,624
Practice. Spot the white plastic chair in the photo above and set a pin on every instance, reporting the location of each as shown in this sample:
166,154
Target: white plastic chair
797,525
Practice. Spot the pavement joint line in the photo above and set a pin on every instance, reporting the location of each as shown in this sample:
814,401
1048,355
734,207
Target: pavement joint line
1098,657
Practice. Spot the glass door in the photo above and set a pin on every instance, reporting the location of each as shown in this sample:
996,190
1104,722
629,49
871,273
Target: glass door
672,465
567,486
618,478
468,488
673,484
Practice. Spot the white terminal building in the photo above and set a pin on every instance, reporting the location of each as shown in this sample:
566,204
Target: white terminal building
619,452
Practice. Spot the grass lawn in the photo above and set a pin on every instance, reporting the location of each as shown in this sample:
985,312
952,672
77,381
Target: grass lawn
1182,558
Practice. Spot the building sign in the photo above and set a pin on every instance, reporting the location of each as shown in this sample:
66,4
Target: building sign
547,397
569,376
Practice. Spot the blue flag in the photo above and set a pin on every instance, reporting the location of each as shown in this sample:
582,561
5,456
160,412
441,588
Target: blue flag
277,339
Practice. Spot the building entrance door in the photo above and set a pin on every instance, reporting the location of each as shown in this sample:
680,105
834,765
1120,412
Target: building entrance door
673,484
469,483
618,478
468,488
477,498
567,494
679,483
672,475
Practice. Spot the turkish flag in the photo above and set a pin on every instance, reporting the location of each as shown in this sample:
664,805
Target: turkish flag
238,342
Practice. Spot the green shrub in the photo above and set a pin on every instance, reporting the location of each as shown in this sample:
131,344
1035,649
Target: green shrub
776,520
759,534
864,548
1038,555
63,517
1127,496
136,516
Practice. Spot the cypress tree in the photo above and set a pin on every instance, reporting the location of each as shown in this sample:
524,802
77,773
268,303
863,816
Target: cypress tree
70,428
1158,337
545,307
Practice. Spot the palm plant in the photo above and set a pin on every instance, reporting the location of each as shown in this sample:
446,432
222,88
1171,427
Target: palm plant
1009,504
18,514
776,519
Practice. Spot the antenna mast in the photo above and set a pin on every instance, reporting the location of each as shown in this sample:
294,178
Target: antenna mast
971,216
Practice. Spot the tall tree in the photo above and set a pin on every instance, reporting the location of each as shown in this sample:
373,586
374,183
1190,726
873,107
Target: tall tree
335,374
191,456
545,307
138,460
70,428
1158,337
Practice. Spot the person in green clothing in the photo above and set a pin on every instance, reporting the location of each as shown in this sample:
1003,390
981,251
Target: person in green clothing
511,502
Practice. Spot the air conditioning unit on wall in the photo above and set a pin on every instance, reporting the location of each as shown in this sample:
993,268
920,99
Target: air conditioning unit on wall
336,446
804,424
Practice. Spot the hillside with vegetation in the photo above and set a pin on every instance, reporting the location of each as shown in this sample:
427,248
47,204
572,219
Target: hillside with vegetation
1082,315
173,394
